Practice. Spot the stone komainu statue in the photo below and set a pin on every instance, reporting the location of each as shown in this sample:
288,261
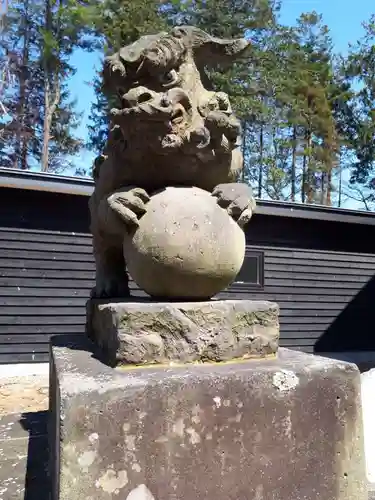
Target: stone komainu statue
171,129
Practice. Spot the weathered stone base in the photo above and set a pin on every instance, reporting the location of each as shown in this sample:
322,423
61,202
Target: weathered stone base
282,429
146,332
368,411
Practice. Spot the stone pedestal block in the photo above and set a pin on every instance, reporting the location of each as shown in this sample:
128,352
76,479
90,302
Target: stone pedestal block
144,332
282,429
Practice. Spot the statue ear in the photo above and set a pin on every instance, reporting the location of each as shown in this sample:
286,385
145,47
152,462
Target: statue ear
208,50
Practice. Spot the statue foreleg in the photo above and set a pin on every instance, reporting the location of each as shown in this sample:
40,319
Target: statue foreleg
111,277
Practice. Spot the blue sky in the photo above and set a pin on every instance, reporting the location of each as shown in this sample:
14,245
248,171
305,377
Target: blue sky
344,18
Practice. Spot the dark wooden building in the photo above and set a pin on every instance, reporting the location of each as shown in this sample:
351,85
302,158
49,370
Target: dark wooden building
318,263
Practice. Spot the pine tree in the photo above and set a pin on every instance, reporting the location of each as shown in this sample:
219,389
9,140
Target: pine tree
311,112
119,22
39,37
19,99
65,28
246,82
360,117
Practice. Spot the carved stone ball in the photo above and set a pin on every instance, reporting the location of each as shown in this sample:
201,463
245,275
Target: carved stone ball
186,246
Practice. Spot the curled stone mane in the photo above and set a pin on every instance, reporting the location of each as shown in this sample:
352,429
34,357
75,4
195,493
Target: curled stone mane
155,53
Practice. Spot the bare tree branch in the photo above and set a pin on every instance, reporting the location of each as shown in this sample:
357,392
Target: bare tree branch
355,193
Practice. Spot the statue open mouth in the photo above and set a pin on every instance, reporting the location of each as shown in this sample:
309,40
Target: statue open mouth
152,110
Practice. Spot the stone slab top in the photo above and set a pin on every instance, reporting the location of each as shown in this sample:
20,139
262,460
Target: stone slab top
81,370
139,302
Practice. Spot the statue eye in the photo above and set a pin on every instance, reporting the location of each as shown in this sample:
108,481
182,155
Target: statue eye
170,78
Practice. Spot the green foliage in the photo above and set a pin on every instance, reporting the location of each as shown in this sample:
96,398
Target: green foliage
118,23
359,69
38,39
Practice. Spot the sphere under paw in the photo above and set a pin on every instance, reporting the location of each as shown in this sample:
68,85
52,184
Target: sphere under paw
185,247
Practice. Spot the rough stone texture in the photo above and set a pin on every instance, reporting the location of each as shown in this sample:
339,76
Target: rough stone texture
286,429
144,332
170,129
368,405
179,250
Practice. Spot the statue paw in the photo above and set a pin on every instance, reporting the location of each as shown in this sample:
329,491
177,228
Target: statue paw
111,288
129,204
237,199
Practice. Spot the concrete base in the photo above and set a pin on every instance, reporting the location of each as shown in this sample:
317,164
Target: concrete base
285,429
145,332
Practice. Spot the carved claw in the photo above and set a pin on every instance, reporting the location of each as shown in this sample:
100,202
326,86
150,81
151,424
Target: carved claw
129,204
237,199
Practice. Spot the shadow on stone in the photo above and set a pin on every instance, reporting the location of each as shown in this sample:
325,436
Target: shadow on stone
79,343
36,477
